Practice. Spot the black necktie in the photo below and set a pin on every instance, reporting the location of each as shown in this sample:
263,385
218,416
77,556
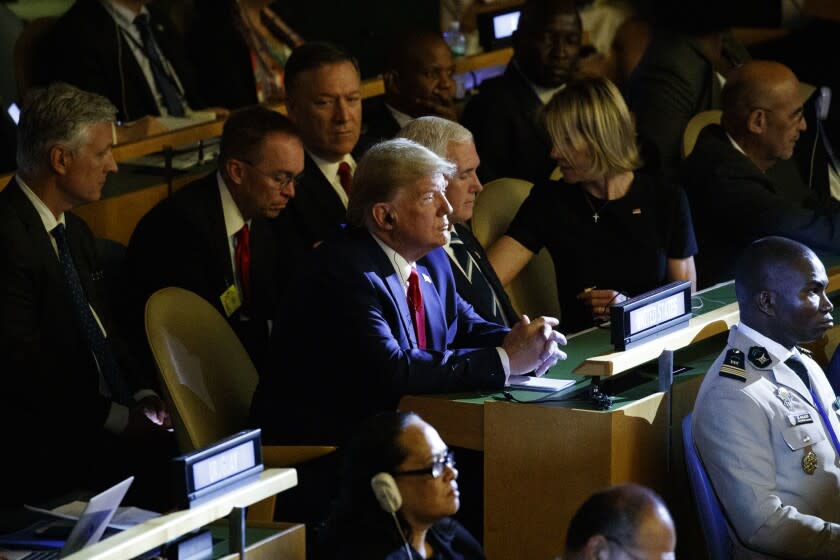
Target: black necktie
483,291
90,328
799,368
163,81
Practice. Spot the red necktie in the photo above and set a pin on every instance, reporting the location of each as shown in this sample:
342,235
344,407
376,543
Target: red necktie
415,304
345,176
243,261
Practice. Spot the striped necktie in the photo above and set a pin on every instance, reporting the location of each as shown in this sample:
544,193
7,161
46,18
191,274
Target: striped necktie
483,292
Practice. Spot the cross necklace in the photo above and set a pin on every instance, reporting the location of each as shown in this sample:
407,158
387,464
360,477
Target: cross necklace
595,212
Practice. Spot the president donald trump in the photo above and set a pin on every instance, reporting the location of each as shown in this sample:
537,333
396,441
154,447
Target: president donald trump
374,314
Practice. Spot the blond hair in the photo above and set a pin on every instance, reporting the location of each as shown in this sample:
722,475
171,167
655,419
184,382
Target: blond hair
590,116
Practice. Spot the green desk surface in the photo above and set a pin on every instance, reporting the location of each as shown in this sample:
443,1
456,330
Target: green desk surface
698,357
131,178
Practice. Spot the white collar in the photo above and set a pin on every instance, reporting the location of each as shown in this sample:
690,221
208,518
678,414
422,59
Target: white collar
121,14
233,216
401,118
46,215
773,348
401,266
735,144
330,168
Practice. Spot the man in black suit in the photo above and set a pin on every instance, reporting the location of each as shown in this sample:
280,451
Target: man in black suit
198,238
125,50
324,100
503,116
73,412
733,200
475,279
418,81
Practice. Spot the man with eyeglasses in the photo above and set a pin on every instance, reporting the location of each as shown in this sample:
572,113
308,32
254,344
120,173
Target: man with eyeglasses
212,237
733,200
622,522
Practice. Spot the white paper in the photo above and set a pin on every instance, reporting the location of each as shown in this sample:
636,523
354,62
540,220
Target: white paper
539,383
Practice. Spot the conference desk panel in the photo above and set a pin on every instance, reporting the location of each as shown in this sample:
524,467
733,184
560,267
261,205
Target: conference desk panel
541,461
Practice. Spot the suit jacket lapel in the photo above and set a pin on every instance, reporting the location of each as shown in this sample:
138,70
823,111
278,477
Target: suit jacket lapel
41,241
435,316
217,232
394,284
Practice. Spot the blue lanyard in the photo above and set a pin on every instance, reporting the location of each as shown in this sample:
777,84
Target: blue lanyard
826,421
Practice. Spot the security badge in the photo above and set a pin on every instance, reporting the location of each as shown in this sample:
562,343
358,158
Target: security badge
733,365
231,300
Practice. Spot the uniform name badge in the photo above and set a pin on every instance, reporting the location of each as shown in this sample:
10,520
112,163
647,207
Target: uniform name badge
809,461
230,300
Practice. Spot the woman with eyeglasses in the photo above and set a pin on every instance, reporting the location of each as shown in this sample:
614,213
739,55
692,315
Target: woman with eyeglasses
399,489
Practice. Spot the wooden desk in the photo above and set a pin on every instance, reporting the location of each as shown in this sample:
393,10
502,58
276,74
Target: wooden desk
161,530
564,451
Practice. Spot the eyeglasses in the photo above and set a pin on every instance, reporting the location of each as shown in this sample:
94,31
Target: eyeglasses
439,463
280,179
796,116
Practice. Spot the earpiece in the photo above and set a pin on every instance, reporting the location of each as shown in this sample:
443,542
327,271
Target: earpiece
386,492
823,103
388,495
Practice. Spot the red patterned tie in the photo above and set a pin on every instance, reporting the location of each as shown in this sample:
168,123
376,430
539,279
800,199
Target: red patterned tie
243,262
415,304
345,176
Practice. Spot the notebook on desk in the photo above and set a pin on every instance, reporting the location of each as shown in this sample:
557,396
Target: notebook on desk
90,526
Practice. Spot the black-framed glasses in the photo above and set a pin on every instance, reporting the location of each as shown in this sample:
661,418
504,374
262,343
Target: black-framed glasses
279,179
439,464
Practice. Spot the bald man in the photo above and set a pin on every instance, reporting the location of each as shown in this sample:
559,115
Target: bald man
624,521
765,421
418,78
733,201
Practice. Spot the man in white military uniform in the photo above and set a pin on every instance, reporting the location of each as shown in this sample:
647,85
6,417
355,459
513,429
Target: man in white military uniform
766,420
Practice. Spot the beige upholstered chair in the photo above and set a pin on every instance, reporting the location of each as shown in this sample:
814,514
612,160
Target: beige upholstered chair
209,379
534,291
692,130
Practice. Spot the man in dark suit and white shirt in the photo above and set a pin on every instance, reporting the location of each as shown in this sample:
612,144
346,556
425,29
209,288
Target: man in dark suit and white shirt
324,100
74,412
475,278
398,324
212,237
733,199
503,116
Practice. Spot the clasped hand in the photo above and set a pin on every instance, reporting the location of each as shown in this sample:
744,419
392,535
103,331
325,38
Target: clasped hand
533,345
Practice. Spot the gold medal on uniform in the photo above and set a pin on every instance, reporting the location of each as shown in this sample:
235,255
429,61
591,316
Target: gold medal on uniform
809,461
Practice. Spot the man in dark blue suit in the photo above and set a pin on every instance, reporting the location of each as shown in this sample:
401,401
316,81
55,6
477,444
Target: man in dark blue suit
349,343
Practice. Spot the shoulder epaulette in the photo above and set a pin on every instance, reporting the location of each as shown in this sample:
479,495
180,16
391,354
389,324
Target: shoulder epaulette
733,365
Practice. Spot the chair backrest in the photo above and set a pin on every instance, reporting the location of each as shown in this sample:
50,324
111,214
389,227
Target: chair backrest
712,519
534,290
207,374
692,130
